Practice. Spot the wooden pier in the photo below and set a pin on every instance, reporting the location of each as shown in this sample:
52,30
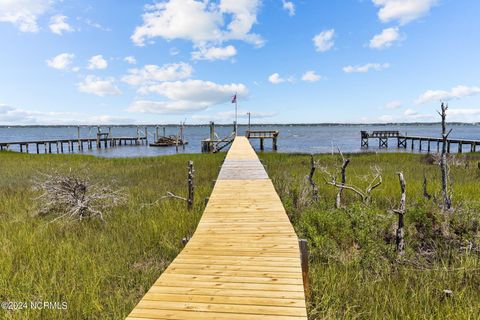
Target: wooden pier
262,135
243,261
70,145
424,143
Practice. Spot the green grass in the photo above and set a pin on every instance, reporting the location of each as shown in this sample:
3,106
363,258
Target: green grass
354,270
102,270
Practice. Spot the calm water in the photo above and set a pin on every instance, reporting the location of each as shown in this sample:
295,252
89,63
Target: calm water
293,138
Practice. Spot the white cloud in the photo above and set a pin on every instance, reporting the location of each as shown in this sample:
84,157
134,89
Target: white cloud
324,40
187,96
394,104
386,118
173,19
150,74
403,11
23,13
97,62
98,86
130,60
59,25
311,76
385,39
441,95
63,61
18,116
276,79
410,112
289,6
214,53
463,112
366,68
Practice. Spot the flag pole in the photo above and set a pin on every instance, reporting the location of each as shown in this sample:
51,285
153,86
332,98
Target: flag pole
236,115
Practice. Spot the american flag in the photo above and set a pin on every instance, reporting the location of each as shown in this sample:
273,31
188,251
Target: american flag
234,98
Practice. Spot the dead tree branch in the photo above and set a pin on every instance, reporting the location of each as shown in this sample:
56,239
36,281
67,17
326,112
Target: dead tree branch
400,242
426,195
365,195
311,181
74,197
447,202
191,190
345,163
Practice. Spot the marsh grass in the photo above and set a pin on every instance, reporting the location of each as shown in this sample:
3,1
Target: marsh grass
100,270
354,270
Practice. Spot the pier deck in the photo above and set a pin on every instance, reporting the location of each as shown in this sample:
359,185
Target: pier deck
243,261
403,140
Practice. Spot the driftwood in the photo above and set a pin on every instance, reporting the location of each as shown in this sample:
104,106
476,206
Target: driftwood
447,202
400,242
74,197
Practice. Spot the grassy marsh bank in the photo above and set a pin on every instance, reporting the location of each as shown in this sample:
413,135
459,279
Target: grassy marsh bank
103,270
354,270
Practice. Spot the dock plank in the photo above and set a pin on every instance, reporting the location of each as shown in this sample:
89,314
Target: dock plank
243,261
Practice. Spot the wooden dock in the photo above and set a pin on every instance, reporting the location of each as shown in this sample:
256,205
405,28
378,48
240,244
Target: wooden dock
262,135
70,145
423,143
243,261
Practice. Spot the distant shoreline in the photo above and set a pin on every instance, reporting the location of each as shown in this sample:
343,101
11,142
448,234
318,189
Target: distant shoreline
326,124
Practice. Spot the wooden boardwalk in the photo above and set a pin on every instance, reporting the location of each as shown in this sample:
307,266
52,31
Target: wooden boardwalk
243,262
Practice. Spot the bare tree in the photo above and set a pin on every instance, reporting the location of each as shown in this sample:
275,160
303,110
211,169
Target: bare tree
191,189
400,242
310,179
447,202
345,163
74,197
365,195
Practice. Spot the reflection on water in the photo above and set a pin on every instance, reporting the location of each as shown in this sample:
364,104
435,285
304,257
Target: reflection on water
293,138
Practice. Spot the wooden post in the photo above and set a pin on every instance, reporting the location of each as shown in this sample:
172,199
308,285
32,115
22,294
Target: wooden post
38,149
156,133
212,131
303,245
78,137
400,242
261,144
428,146
164,131
45,149
49,147
58,147
185,241
420,144
138,135
21,147
146,135
460,147
191,187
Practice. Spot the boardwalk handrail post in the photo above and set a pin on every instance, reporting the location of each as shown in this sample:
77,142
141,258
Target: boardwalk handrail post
303,245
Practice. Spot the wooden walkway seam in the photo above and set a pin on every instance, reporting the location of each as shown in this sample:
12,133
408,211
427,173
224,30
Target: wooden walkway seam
243,261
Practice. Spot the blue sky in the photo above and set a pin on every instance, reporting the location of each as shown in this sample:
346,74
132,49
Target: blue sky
99,62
